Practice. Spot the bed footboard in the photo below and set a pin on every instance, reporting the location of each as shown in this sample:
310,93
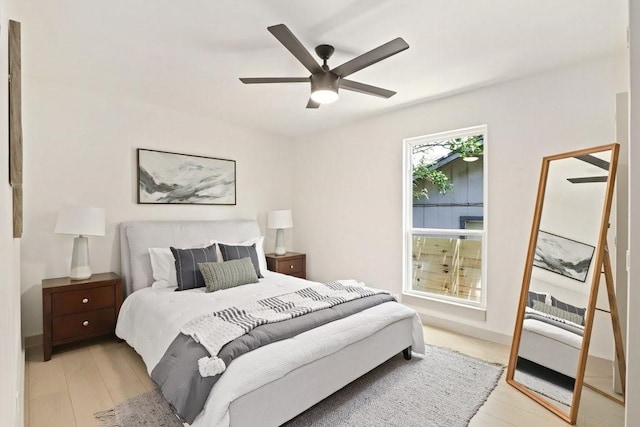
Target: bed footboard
304,387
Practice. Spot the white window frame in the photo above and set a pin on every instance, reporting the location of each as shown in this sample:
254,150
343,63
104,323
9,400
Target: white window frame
409,231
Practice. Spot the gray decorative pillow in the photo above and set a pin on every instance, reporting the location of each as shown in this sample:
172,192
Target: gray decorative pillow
558,312
535,296
187,272
228,274
230,252
568,307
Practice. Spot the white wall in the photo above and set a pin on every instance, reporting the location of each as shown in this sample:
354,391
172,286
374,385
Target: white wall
81,148
348,183
11,349
633,343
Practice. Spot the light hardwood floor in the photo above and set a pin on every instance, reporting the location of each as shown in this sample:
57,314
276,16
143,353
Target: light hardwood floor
96,375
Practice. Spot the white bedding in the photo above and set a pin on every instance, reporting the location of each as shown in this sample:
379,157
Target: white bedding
150,319
553,332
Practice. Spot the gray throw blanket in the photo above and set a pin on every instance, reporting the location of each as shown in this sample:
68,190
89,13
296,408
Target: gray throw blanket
214,330
186,390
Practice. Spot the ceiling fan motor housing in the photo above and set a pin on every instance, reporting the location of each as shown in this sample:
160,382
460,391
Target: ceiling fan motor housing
325,81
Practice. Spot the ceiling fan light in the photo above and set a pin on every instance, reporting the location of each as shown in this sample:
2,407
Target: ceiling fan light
324,88
324,96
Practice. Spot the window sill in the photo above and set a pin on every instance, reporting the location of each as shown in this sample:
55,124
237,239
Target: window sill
444,308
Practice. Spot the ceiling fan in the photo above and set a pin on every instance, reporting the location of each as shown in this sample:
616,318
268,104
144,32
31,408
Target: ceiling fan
595,161
325,82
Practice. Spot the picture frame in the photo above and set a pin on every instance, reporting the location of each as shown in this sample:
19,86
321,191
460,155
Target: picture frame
15,125
173,178
563,256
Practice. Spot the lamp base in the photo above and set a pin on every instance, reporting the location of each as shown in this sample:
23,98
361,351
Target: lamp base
81,273
280,249
80,264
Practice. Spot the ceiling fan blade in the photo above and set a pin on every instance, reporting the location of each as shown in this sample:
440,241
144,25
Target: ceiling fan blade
366,89
595,161
286,37
253,80
312,104
371,57
588,179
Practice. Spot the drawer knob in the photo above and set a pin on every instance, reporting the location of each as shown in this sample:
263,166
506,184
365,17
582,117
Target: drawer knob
291,267
85,300
85,323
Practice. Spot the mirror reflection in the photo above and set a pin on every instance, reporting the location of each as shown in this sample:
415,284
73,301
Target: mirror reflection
559,278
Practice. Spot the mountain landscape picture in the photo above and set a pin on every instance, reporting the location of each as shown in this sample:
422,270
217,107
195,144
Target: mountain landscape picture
185,179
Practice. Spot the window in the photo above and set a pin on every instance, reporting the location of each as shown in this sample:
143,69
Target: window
445,216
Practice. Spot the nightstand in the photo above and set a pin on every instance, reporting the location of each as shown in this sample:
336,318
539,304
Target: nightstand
291,263
73,310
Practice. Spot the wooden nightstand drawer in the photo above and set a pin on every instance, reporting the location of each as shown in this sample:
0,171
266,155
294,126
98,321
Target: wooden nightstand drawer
83,300
83,324
291,263
291,266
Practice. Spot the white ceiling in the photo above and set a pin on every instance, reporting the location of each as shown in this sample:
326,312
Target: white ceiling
188,55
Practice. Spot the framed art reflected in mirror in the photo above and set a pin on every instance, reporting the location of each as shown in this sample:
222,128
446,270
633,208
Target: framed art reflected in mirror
567,255
563,256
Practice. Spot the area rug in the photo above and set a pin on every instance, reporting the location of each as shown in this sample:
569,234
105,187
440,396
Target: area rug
149,410
443,388
546,388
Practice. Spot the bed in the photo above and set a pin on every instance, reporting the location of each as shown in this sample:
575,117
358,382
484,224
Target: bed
551,341
271,384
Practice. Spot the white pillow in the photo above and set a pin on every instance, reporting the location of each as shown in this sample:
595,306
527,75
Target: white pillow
259,242
163,266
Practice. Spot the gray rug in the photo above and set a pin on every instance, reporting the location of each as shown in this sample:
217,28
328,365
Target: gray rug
546,388
445,388
148,410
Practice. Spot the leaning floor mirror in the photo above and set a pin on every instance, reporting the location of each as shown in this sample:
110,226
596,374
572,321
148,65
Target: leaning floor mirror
566,259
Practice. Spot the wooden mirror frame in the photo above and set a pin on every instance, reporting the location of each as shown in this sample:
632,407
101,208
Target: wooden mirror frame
601,263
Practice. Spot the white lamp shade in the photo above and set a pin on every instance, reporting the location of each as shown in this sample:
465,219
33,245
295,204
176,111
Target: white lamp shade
279,219
81,220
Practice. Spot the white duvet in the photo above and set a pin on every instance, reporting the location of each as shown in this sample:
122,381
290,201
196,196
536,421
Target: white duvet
553,332
150,319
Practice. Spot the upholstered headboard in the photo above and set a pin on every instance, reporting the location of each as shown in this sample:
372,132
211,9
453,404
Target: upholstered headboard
137,237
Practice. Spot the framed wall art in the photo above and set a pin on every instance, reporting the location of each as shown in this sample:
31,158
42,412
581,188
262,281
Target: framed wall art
15,124
563,256
174,178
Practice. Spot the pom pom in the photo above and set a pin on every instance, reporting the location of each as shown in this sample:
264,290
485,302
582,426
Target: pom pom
211,366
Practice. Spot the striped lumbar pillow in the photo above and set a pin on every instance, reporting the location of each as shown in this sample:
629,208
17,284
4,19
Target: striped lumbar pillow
558,312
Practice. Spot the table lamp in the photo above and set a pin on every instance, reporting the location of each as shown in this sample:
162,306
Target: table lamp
279,220
82,221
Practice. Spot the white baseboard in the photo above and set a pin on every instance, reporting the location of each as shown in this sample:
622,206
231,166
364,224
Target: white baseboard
465,329
33,341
